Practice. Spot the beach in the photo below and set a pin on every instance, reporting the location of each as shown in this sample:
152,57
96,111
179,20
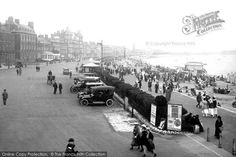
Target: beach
216,64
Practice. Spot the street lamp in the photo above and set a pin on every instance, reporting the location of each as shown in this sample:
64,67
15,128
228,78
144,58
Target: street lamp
101,44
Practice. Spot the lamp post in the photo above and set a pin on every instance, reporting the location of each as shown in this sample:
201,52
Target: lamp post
124,52
101,44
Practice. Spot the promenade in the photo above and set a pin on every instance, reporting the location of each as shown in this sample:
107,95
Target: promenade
229,118
37,120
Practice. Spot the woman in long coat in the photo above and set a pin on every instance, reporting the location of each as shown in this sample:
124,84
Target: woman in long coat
136,137
218,127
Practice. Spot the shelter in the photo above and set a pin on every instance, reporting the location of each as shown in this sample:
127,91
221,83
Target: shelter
192,66
90,67
91,60
49,56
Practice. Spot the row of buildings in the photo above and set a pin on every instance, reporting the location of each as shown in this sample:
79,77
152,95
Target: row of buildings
17,42
20,43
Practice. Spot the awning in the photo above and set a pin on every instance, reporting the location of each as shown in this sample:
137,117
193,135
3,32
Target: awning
90,65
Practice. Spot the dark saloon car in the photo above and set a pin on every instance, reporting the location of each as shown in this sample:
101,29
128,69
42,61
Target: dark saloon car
98,95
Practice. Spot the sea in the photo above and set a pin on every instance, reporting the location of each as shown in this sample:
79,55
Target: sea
216,64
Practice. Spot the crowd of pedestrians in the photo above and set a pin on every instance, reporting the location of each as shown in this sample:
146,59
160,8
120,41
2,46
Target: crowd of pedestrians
55,84
19,71
208,104
143,140
163,80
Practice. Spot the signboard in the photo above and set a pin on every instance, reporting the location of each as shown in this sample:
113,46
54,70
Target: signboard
153,114
174,120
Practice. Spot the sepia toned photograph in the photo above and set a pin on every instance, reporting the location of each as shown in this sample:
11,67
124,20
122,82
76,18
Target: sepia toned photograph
117,78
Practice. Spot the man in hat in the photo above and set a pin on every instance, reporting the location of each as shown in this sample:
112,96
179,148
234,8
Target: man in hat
143,140
156,86
70,152
4,96
60,87
55,87
147,142
214,102
199,99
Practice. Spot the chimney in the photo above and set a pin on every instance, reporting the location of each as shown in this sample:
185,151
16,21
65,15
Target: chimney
17,21
31,25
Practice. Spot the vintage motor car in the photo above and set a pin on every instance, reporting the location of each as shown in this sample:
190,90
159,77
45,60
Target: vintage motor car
78,82
80,87
90,74
98,95
87,79
66,71
86,88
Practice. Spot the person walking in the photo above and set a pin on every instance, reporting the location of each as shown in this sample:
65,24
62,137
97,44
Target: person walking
199,99
143,139
140,83
145,143
211,107
214,101
218,127
151,146
205,109
70,74
4,97
50,73
156,87
164,88
60,87
17,71
136,84
55,87
149,85
136,137
20,71
70,152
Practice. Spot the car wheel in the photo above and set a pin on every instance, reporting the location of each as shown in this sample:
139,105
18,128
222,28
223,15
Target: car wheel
75,90
84,102
109,102
71,89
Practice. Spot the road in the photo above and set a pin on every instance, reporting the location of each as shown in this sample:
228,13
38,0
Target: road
37,120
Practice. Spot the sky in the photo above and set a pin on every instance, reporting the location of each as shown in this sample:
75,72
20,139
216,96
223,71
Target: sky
143,24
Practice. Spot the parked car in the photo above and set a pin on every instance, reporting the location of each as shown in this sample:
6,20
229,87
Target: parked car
90,74
98,95
86,79
84,89
66,71
81,86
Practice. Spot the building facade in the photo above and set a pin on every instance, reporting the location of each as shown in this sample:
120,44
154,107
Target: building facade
7,47
25,40
68,43
43,45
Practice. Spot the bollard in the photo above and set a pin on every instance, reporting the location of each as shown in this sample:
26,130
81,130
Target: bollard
219,144
124,104
132,111
234,148
208,135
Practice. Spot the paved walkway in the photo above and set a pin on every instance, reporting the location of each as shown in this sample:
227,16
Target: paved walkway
189,103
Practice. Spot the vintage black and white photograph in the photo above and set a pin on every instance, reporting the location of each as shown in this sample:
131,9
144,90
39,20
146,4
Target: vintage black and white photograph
117,78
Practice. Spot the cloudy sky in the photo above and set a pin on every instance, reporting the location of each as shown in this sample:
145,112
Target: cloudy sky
129,22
